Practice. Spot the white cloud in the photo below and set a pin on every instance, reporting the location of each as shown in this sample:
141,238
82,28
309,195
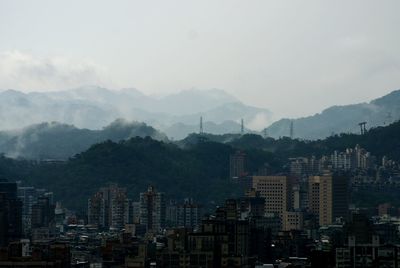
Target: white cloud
23,71
259,122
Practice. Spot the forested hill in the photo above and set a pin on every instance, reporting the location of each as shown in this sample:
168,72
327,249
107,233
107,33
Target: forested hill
198,169
60,141
379,141
200,172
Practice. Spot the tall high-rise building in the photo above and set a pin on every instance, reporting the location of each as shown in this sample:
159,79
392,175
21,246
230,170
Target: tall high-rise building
97,210
10,213
313,194
120,210
299,194
136,212
275,190
188,214
171,214
237,165
328,197
30,197
42,213
152,210
110,208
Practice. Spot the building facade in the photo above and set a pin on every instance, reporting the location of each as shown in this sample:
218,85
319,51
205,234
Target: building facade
152,210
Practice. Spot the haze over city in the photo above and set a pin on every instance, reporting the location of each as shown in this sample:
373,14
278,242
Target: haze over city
199,134
293,58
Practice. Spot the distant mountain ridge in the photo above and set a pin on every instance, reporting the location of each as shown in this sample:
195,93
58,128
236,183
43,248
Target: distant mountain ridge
177,115
341,119
95,107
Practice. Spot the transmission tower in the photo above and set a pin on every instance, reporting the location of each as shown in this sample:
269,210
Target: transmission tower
201,125
242,126
362,127
388,119
291,130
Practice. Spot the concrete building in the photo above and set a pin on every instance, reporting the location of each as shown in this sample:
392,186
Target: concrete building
328,197
136,212
293,220
28,196
298,166
120,213
97,210
10,213
357,158
189,214
252,205
364,247
152,210
275,190
237,165
110,208
42,213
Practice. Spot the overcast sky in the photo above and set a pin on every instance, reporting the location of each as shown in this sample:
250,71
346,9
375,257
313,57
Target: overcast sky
292,57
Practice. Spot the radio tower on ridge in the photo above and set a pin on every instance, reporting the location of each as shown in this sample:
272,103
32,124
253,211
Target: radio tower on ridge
201,125
291,129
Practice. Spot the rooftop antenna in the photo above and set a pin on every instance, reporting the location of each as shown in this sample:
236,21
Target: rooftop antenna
362,127
201,125
242,127
291,129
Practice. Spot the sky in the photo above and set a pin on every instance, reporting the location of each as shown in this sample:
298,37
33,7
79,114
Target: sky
294,58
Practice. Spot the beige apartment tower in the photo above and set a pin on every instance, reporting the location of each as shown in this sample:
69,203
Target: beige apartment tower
328,197
275,190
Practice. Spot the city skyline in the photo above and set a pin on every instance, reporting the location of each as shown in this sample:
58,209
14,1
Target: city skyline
193,134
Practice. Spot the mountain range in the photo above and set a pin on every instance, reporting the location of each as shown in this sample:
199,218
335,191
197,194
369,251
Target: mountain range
178,115
95,107
341,119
